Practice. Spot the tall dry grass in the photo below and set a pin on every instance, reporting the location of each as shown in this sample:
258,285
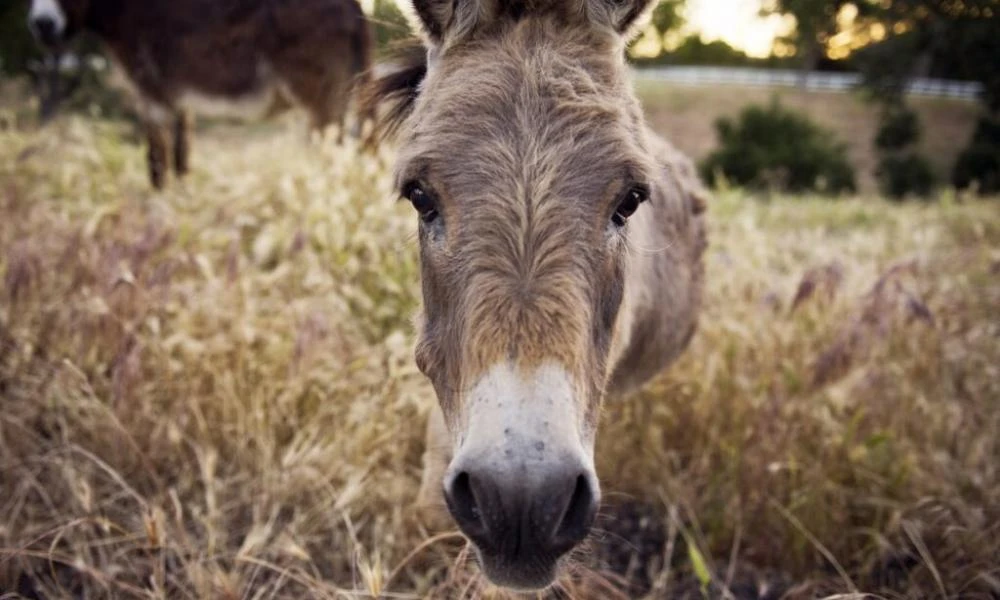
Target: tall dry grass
210,393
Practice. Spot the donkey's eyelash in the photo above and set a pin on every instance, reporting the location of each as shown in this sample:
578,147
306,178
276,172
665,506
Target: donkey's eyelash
423,200
415,173
637,172
641,187
416,183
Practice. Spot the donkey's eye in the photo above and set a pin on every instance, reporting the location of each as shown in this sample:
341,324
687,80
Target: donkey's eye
630,201
422,201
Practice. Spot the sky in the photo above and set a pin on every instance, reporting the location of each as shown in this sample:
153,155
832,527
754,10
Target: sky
735,22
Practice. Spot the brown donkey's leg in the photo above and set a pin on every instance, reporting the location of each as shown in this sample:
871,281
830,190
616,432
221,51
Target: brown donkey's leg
317,84
431,508
329,105
182,142
338,100
156,157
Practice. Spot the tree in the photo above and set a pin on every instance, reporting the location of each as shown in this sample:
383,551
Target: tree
667,16
815,23
956,39
695,51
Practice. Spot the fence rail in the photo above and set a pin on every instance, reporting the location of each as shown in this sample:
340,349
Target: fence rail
743,76
814,80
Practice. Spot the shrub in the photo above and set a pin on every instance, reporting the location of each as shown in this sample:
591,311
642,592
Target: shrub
773,147
389,24
899,129
901,175
901,171
980,162
17,48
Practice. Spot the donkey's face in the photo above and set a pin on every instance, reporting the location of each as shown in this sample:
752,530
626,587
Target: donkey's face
53,22
524,156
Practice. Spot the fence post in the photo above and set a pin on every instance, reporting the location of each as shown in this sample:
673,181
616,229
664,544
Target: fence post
812,80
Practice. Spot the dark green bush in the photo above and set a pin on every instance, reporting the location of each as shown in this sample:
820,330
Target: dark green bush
900,128
17,48
900,170
979,164
776,148
901,175
389,24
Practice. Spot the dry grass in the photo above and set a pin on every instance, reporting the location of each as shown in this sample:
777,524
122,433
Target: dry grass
687,115
210,393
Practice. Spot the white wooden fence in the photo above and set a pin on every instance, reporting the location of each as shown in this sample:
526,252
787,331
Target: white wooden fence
694,76
814,80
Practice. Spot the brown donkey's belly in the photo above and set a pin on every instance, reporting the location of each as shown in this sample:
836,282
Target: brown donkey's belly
267,96
234,82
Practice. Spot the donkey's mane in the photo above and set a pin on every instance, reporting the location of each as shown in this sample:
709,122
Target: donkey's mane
397,90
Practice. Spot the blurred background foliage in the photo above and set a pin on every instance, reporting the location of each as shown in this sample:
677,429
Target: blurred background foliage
887,41
389,23
17,49
775,148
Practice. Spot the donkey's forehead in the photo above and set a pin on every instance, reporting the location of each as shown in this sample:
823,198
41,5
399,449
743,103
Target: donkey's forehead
528,108
449,23
536,50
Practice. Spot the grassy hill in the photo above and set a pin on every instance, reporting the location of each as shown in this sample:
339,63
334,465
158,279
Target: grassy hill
686,116
210,392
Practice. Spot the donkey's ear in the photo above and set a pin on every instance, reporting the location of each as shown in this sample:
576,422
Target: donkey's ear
621,15
442,19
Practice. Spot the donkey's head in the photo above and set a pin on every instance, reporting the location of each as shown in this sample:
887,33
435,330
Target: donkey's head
53,22
522,150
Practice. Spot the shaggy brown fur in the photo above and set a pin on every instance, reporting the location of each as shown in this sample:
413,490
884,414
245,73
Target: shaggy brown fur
270,53
522,127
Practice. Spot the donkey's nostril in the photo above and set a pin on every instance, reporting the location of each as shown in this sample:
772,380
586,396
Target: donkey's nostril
579,515
464,506
522,515
464,499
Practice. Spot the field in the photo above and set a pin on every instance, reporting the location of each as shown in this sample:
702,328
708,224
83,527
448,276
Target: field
210,393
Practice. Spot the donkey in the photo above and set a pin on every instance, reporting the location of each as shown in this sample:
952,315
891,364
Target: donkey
256,56
561,249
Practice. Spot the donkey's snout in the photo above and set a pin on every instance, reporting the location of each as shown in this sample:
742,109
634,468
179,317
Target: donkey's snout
522,516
